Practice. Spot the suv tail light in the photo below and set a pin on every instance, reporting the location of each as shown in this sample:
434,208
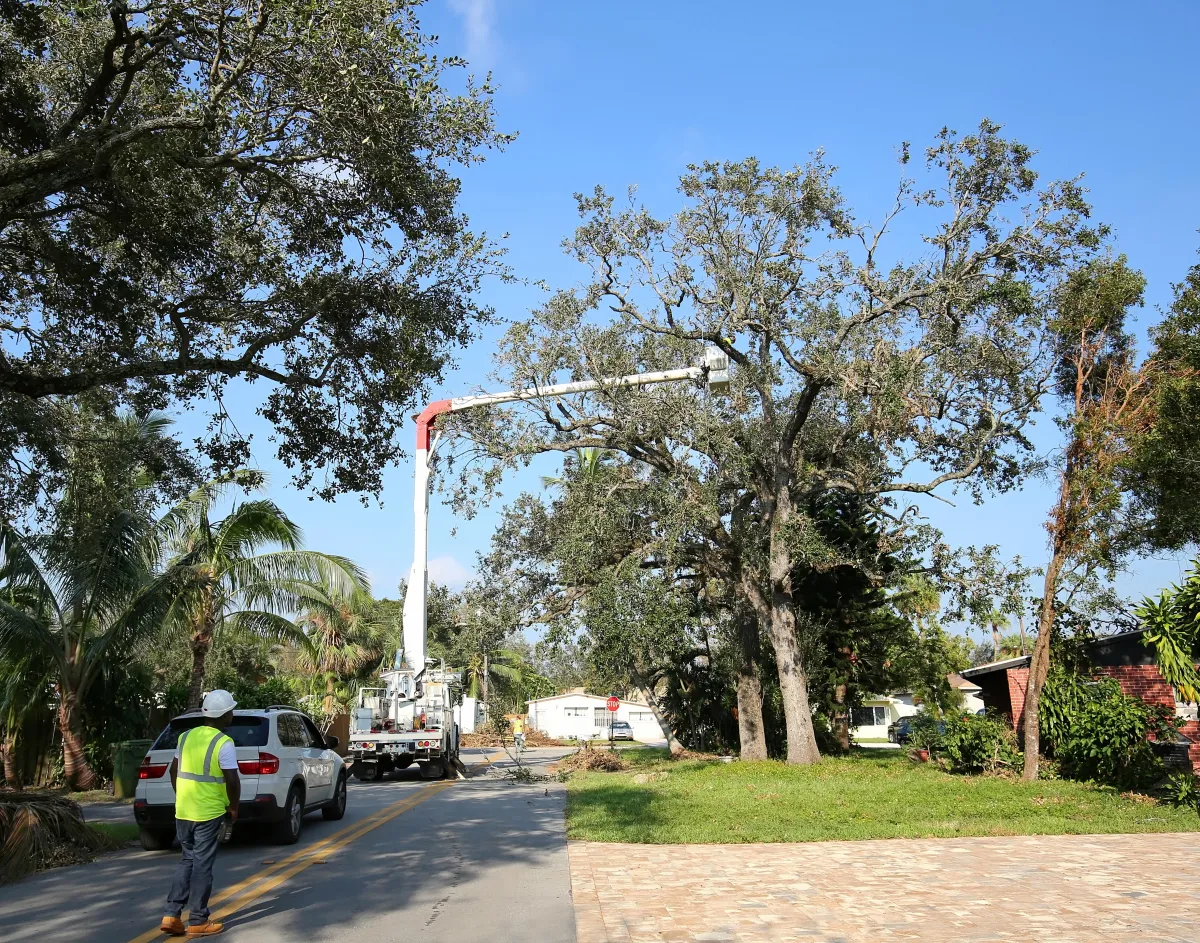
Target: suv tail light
265,765
150,770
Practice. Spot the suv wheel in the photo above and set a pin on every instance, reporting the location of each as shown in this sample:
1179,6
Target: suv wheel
156,839
337,806
287,832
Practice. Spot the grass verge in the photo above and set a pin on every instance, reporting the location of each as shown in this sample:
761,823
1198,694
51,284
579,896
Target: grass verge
121,832
869,794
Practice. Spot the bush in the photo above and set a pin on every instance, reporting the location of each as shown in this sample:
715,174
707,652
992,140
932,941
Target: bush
1098,733
974,744
1108,743
926,733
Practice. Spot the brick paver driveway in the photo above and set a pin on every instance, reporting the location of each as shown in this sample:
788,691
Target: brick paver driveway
968,890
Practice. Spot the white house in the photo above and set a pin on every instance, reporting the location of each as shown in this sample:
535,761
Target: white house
585,716
870,722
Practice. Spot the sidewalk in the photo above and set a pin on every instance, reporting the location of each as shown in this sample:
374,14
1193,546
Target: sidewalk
1049,889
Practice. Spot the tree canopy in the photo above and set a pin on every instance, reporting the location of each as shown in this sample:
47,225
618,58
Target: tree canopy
857,367
193,194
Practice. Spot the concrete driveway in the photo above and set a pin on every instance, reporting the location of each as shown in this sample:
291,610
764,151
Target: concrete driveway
482,860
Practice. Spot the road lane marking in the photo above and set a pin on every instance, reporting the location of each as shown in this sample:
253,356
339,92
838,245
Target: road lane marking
298,861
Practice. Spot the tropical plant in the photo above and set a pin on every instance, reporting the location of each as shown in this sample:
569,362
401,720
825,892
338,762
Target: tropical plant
26,678
233,586
78,605
345,640
1172,624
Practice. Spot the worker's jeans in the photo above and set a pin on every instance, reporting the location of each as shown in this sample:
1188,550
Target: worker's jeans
193,876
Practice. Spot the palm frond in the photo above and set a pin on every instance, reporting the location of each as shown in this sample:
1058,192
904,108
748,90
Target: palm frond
251,525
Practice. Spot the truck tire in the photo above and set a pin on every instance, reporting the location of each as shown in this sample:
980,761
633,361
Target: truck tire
365,772
434,769
156,839
337,805
287,831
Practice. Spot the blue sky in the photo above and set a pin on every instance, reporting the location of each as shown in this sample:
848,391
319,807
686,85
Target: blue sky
624,93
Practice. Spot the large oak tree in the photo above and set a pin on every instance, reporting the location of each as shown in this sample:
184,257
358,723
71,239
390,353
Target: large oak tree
886,371
193,193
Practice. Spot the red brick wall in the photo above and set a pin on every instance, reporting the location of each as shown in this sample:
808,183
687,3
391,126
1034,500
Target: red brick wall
1141,681
1018,681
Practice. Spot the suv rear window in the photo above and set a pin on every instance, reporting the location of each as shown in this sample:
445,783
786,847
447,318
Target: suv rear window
244,731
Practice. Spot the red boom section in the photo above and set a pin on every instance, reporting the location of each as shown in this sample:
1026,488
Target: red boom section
426,420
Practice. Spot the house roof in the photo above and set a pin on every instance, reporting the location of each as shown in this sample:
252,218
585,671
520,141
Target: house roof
591,697
960,683
1019,662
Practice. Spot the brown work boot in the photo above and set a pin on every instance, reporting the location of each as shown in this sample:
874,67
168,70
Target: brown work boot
205,929
171,925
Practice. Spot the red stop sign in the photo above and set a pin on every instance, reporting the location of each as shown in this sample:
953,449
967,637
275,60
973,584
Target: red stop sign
613,704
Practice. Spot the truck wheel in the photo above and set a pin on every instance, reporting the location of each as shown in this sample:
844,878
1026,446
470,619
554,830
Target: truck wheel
287,832
156,839
337,807
366,772
432,770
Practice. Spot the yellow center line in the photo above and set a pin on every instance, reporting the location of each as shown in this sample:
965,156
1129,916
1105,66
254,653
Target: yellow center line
305,857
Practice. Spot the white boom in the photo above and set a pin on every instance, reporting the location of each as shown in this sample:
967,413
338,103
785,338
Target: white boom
715,368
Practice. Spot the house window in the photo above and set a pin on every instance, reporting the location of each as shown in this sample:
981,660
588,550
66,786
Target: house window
868,717
574,711
601,715
640,716
1183,709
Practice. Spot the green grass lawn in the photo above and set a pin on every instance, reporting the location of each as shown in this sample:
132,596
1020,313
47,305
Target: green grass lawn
870,794
118,831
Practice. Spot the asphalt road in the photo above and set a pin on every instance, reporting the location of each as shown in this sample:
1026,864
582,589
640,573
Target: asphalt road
480,860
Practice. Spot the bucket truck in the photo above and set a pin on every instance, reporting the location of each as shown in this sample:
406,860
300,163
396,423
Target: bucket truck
410,719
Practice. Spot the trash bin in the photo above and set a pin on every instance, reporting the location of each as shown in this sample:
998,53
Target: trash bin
127,757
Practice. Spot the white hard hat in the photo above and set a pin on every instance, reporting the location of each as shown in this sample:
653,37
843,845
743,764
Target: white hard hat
217,703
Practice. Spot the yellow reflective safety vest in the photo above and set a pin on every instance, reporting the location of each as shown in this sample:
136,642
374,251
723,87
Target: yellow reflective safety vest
200,794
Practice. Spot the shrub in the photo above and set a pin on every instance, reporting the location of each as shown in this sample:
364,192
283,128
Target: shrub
974,744
926,733
1106,742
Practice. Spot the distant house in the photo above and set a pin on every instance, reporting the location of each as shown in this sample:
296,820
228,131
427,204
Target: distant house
576,714
1125,657
872,719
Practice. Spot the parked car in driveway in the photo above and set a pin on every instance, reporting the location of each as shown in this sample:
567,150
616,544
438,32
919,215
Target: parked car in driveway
287,769
900,731
622,730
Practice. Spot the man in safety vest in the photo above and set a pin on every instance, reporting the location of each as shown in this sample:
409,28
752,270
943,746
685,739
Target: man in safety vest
204,774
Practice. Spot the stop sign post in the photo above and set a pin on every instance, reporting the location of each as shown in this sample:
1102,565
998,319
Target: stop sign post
613,703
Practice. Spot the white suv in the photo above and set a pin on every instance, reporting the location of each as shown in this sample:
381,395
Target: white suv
286,768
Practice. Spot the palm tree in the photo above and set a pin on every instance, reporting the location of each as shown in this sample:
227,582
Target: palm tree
234,587
74,605
26,682
345,640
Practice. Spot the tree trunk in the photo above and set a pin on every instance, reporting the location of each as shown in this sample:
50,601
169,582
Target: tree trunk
77,772
673,743
840,722
752,735
1021,629
201,643
12,772
1039,665
793,679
